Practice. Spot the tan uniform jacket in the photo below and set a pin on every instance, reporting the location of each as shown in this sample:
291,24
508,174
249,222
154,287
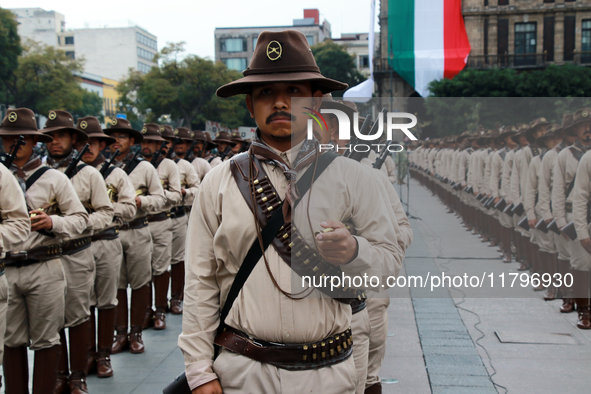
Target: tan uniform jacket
526,157
564,172
582,196
145,176
202,167
532,187
91,190
55,186
220,232
169,175
189,181
15,226
506,177
371,158
516,178
546,181
463,165
496,172
124,206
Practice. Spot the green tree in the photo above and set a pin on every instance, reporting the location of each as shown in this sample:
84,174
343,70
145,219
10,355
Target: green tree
45,80
484,97
91,104
10,50
336,63
184,88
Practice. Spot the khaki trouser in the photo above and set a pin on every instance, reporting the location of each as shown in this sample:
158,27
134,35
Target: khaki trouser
361,330
505,220
562,246
580,260
162,241
519,229
36,306
79,269
179,236
108,257
377,308
241,375
3,308
136,268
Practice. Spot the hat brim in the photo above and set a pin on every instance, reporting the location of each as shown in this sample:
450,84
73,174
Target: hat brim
233,143
102,137
153,138
11,131
244,85
136,135
81,134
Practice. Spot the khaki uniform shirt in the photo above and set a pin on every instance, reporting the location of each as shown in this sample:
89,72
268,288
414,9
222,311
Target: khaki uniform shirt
463,166
15,226
221,231
516,177
189,181
564,173
546,180
496,172
531,187
506,177
582,196
371,159
144,175
124,204
170,176
55,186
91,190
202,167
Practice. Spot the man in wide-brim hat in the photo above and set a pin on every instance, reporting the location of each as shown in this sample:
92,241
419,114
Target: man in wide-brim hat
202,145
282,68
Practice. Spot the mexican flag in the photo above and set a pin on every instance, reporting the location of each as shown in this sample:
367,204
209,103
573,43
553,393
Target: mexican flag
427,40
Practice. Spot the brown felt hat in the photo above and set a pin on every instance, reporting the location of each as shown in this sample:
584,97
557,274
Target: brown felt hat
210,144
92,128
550,132
224,136
167,131
62,120
521,130
236,137
123,125
283,56
580,116
567,124
152,132
533,126
21,121
184,134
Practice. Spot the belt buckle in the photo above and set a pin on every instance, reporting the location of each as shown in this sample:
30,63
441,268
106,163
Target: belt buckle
19,255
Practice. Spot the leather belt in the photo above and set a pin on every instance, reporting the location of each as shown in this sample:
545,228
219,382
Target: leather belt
1,268
74,246
292,357
32,256
358,305
177,212
135,224
106,235
159,217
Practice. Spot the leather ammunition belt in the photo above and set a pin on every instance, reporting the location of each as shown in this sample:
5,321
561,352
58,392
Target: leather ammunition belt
159,217
32,256
358,305
568,207
177,212
292,357
288,242
106,235
74,246
1,268
135,224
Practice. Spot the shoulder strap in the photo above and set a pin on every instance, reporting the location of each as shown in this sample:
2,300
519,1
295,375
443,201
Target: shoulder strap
211,159
503,153
250,261
36,175
77,169
108,172
577,154
131,166
304,183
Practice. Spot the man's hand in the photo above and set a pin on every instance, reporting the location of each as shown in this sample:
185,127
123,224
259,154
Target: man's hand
212,387
563,234
41,220
496,200
586,243
548,221
183,192
532,223
138,202
338,247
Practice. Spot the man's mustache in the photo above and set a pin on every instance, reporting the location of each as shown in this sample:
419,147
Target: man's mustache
281,113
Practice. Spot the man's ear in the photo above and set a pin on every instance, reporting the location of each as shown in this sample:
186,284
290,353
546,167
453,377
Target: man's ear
317,100
102,145
249,105
74,138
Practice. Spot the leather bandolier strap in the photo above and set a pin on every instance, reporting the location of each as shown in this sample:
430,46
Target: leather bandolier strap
135,224
288,242
106,235
159,217
74,246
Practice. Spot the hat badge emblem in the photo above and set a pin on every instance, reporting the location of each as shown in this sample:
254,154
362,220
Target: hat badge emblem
12,117
192,134
161,130
274,50
52,115
144,130
176,131
585,114
83,125
114,122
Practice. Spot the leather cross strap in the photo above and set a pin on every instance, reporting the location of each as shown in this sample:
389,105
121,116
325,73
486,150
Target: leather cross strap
288,242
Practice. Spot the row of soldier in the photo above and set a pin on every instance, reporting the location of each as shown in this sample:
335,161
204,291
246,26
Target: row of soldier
79,229
525,189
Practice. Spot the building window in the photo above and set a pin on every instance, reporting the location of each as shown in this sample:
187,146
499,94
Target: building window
233,44
569,37
147,41
254,42
503,2
69,40
586,41
144,54
143,67
363,61
237,63
310,40
525,44
71,54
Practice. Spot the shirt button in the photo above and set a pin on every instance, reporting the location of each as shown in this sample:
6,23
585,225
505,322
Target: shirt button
287,335
283,186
